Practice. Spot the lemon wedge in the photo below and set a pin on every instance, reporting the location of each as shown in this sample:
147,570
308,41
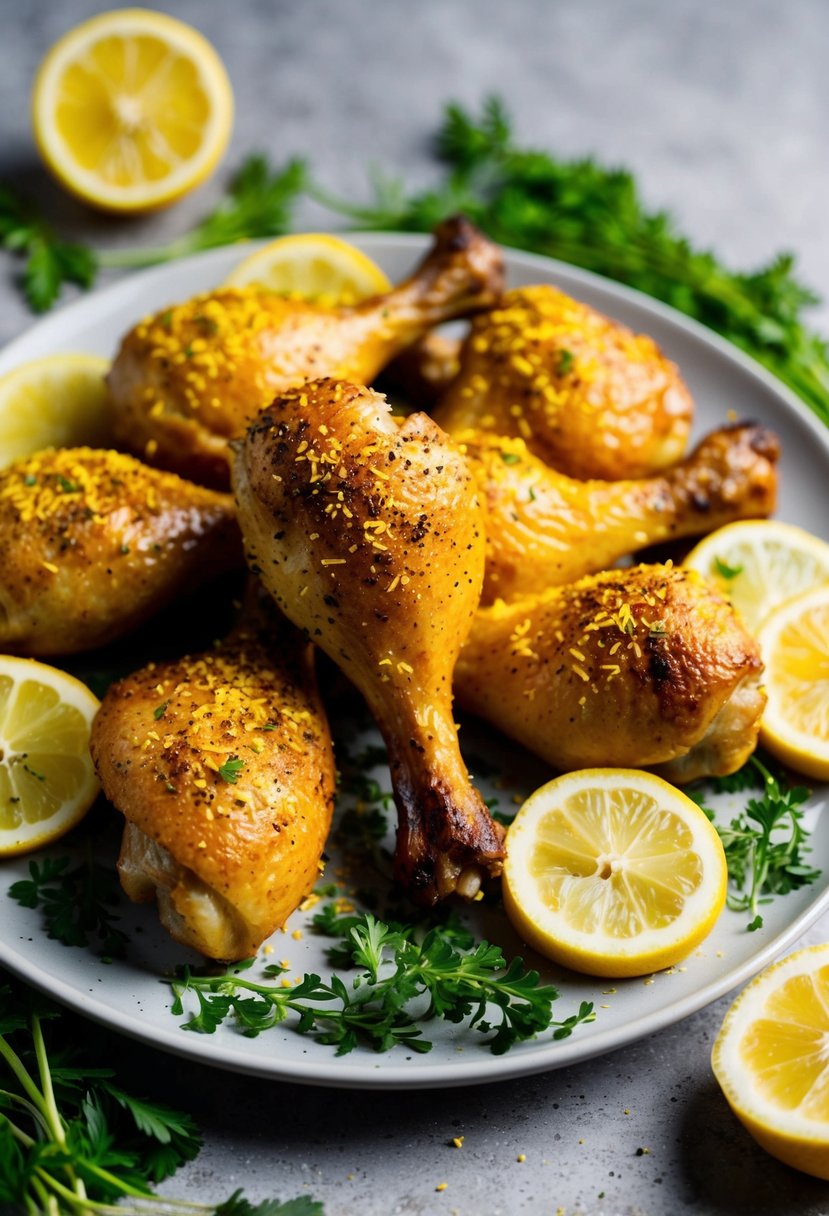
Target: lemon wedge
47,780
58,401
613,872
131,109
794,641
771,1059
758,563
315,266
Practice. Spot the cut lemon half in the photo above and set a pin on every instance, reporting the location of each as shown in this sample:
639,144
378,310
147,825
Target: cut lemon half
58,401
771,1059
613,872
47,781
758,563
794,641
131,109
314,266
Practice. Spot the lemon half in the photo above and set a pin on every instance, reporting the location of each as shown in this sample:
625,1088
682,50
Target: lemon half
758,563
314,266
771,1059
132,109
58,401
47,780
613,872
794,641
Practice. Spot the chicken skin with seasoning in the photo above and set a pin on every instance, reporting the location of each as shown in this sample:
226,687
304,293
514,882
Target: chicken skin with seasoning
647,667
544,529
368,533
93,542
190,378
222,766
589,397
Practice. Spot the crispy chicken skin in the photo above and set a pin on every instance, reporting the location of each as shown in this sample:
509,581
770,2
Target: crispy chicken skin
190,378
222,766
368,533
644,667
590,397
544,529
93,542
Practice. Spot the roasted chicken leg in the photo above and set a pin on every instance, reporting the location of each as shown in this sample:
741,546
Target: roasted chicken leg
644,667
589,397
368,533
93,542
188,379
544,529
222,765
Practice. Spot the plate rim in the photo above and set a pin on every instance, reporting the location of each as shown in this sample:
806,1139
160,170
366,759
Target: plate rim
532,1058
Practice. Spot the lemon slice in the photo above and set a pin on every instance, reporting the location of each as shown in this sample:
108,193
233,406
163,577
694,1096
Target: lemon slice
758,563
771,1059
613,872
315,266
132,109
47,781
794,641
58,401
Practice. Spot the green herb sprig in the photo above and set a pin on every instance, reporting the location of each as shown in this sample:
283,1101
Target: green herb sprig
764,844
78,902
73,1141
475,986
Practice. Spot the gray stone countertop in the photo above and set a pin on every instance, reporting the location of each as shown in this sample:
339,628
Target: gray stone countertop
721,110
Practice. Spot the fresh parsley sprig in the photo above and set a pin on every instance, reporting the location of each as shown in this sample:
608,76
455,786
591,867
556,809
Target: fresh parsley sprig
258,204
73,1141
78,902
470,984
593,216
765,843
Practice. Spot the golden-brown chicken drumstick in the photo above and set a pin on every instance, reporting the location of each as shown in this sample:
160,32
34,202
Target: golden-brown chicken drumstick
191,377
644,667
590,397
92,543
222,765
367,531
544,529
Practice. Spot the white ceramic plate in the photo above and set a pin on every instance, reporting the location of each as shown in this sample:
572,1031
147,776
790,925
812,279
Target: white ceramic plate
130,996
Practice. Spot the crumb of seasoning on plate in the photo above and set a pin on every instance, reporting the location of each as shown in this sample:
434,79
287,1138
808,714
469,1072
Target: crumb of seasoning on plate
441,1186
457,1141
643,1152
521,1158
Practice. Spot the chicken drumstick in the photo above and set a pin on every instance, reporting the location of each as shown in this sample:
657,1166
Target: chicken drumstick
645,667
222,765
367,532
589,397
544,529
190,378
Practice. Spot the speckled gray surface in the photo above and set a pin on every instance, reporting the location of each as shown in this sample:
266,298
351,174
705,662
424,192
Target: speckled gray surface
721,109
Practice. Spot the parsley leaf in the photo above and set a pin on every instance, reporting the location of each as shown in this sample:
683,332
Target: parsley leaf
764,844
724,570
230,770
445,974
78,904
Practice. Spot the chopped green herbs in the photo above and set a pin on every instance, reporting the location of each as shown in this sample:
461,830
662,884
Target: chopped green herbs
230,770
160,710
724,570
469,983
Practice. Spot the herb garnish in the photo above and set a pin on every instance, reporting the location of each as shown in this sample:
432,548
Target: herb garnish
394,968
73,1141
724,570
77,903
574,210
230,770
765,843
